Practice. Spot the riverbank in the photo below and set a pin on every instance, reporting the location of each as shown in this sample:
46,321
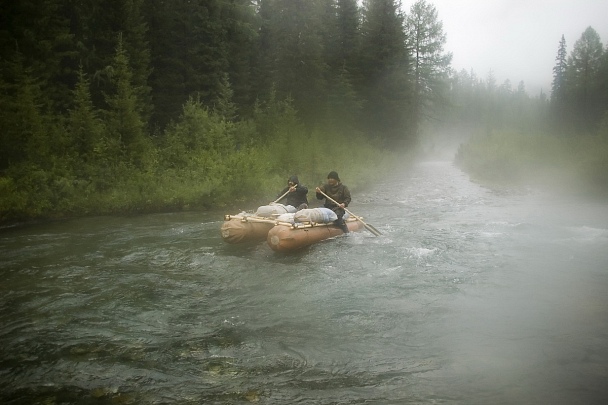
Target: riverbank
239,180
565,165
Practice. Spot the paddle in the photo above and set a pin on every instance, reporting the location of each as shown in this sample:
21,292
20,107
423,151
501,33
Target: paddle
367,226
281,197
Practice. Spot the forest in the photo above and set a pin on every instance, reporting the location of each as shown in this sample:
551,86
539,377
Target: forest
136,106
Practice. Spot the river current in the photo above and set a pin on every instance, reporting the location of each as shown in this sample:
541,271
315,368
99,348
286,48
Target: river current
470,296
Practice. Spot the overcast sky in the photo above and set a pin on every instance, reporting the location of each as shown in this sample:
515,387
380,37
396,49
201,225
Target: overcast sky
516,39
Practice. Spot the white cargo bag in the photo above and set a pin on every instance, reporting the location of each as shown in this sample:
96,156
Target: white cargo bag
273,210
289,217
319,215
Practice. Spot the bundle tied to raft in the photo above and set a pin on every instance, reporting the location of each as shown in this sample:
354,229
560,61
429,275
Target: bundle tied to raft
318,215
270,211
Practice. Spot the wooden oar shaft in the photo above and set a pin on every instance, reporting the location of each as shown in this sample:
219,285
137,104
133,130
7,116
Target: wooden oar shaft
337,203
281,197
367,226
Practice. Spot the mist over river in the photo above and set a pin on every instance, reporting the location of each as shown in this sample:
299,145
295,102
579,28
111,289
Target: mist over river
470,296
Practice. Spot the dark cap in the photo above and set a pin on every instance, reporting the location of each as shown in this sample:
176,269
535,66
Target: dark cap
333,175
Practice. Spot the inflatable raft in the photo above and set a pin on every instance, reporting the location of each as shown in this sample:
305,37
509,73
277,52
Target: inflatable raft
248,227
245,228
285,231
286,237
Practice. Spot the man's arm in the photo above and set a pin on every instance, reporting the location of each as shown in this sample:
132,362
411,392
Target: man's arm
346,196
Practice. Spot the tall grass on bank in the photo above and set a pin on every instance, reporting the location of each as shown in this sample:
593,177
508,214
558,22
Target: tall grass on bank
571,164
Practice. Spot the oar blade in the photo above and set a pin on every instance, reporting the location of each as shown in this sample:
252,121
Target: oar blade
372,229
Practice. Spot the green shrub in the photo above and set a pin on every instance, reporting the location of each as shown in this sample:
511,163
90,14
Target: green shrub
201,161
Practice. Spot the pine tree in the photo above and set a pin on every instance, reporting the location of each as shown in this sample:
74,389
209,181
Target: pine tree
341,35
559,72
431,64
84,126
559,86
190,53
384,73
31,129
342,39
344,104
13,147
264,61
583,70
37,33
241,35
603,89
296,59
383,44
124,123
224,107
135,30
27,132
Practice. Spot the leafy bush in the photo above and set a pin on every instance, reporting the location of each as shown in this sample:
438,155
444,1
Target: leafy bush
201,161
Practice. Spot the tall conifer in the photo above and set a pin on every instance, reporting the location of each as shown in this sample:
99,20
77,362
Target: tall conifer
384,72
584,66
124,123
299,68
84,126
431,64
559,86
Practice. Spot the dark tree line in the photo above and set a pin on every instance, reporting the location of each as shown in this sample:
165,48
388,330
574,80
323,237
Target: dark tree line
96,93
560,144
95,90
341,65
577,105
580,84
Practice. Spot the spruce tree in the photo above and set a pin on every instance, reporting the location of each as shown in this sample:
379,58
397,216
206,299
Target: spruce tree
431,64
124,123
135,29
341,52
584,66
559,72
384,73
558,85
190,53
297,60
38,34
240,34
85,128
347,37
27,133
264,69
224,107
603,89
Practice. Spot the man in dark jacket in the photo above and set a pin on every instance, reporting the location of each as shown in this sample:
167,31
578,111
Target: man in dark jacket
296,196
340,193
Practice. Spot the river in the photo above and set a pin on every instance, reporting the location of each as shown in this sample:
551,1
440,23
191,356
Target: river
470,296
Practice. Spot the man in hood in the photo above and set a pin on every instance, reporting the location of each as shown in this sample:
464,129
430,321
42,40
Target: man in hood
338,192
296,194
